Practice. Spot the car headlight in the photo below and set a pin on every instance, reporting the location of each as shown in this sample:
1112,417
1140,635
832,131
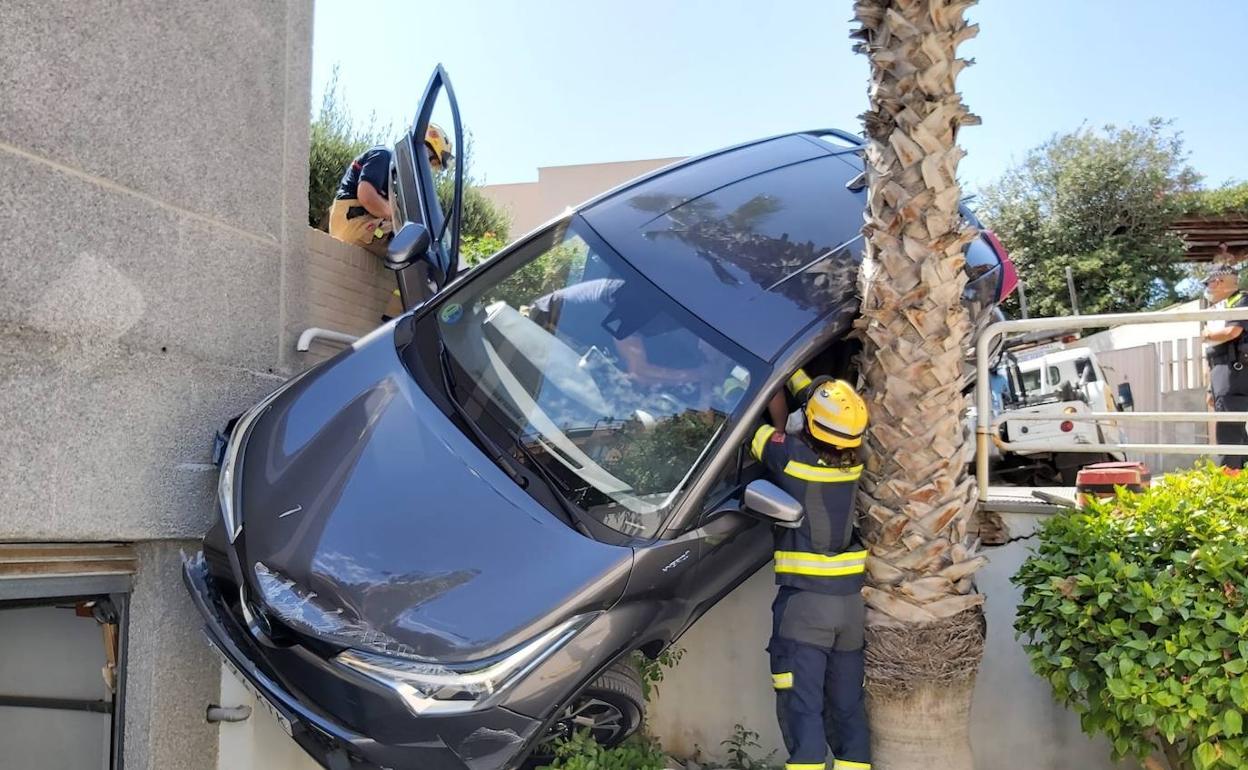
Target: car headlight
428,687
227,486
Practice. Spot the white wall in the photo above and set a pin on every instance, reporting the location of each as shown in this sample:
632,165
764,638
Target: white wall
724,680
259,742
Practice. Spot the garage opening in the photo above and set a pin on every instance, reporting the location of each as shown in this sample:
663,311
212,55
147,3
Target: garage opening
63,620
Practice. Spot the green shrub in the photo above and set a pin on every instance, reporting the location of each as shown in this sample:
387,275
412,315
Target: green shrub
741,747
1231,198
334,141
1135,611
652,670
581,752
484,224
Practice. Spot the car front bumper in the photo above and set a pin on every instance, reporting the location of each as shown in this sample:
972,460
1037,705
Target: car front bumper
492,739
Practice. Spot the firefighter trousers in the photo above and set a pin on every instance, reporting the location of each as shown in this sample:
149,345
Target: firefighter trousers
817,670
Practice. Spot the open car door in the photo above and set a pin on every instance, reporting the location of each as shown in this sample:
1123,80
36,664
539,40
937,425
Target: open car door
425,249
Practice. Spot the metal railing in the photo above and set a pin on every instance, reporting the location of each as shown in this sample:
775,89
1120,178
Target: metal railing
329,335
986,424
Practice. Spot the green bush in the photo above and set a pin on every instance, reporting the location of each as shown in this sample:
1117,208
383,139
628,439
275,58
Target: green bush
741,747
652,670
485,226
581,752
334,141
1228,199
1135,611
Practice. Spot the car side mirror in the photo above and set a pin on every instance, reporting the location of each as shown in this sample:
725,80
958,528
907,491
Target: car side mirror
768,500
409,244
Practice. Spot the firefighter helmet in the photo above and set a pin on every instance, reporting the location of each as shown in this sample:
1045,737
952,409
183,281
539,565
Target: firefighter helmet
439,145
836,414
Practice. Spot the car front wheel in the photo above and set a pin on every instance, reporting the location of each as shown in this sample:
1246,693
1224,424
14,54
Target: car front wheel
610,709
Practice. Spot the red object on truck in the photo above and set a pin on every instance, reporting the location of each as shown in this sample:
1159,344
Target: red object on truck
1099,480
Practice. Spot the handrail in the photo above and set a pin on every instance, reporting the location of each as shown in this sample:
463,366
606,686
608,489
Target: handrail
1126,417
317,333
985,423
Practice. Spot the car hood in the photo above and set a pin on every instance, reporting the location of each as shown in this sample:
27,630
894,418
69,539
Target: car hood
367,511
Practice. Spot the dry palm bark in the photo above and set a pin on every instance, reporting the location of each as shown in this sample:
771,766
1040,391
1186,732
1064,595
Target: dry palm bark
925,635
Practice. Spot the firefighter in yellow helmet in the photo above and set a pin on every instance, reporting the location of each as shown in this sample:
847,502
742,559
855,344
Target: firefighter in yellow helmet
818,616
361,211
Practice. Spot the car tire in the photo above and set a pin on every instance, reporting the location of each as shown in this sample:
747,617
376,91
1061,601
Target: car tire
614,703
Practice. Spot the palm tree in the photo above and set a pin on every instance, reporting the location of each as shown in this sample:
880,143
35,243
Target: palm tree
925,620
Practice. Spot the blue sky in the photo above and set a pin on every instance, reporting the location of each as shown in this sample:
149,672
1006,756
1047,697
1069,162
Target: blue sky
586,81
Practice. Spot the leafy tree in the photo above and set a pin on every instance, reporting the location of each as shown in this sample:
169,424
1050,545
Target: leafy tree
1135,609
1099,202
335,141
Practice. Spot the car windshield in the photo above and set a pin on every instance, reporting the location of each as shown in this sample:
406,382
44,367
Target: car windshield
607,382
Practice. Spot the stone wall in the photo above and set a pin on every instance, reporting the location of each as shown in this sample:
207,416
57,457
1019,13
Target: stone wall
153,198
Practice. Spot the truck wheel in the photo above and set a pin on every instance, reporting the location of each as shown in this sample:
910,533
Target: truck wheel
611,708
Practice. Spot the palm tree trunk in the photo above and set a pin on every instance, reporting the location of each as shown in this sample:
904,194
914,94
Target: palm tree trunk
925,624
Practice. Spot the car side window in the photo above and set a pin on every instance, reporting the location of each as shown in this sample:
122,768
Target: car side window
727,481
1055,376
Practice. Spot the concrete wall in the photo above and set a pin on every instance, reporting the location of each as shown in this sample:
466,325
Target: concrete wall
557,187
153,192
724,680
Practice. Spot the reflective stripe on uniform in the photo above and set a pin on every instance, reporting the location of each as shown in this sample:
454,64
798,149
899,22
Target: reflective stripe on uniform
818,472
820,565
845,764
760,440
807,766
782,681
798,381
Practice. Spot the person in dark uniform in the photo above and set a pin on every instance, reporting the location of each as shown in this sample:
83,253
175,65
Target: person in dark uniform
819,617
361,213
1228,377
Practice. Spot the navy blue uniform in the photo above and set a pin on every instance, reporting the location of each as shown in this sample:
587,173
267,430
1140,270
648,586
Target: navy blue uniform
1228,381
818,617
373,166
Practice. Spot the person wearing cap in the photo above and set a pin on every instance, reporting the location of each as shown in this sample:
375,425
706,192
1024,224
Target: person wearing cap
1228,377
819,617
361,213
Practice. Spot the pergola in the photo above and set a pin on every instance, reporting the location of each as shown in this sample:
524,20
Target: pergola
1203,236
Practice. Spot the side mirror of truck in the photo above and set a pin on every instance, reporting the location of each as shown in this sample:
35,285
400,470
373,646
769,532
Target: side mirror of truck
770,501
410,243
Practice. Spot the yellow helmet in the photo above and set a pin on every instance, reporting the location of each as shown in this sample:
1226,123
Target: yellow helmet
439,145
836,414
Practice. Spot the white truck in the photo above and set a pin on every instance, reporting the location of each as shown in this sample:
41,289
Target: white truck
1054,378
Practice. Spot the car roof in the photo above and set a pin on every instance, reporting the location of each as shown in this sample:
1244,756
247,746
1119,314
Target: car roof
760,240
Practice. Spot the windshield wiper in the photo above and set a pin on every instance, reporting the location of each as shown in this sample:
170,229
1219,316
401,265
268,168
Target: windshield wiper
496,454
558,489
485,442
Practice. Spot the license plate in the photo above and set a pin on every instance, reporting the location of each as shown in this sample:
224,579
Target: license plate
260,697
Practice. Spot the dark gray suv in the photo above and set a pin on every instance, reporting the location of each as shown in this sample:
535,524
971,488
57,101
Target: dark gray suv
437,549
